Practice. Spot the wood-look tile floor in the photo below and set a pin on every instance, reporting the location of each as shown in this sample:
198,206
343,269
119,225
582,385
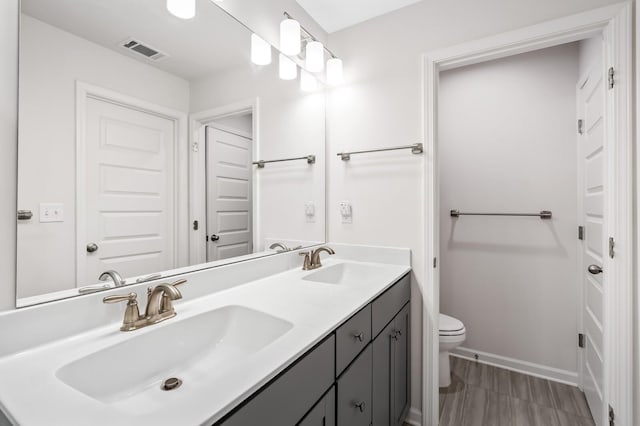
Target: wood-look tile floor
490,396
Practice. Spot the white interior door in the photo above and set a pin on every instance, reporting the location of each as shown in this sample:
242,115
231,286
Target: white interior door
592,168
130,186
229,200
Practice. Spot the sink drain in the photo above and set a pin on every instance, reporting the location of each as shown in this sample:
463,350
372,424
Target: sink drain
171,384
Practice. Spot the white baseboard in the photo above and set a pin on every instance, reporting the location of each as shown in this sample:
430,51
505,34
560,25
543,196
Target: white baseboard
414,417
538,370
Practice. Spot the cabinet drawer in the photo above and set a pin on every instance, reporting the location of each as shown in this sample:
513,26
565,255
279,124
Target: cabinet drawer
352,337
324,413
354,392
385,307
291,395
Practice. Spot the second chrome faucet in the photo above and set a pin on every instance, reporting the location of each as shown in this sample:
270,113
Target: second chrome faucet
312,258
159,305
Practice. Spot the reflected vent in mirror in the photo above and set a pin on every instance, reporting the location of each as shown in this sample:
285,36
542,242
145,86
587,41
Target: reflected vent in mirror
143,49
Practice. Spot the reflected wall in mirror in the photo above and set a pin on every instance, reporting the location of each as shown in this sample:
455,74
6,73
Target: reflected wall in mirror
137,137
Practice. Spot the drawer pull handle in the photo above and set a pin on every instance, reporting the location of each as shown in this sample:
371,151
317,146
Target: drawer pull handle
359,336
395,334
359,406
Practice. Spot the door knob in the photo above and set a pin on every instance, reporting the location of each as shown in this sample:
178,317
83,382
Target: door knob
215,237
595,269
91,247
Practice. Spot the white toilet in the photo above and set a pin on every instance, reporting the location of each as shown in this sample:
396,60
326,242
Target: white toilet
452,334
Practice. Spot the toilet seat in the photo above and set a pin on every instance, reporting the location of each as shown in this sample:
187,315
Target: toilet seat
450,326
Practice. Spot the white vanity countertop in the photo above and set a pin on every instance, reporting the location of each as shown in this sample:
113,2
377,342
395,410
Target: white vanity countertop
32,394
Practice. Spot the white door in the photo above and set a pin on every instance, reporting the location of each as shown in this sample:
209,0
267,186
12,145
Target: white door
229,202
129,194
592,157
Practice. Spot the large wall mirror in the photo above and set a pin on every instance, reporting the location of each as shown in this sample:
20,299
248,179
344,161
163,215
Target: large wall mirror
139,134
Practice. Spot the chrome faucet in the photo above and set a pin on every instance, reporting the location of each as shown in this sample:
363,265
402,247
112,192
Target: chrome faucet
280,245
115,277
312,258
159,306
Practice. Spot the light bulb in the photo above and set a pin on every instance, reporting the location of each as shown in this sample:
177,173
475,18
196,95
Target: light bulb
290,37
315,56
334,71
308,82
184,9
260,50
288,69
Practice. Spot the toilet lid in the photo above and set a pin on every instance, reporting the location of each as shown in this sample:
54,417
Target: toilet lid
450,325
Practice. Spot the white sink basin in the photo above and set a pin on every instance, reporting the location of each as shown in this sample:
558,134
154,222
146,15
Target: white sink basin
345,273
194,348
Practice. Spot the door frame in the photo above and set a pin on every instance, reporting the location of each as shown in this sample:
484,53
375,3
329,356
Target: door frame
197,165
615,23
85,91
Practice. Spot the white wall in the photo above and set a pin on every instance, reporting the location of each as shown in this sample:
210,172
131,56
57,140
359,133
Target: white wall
9,22
291,124
507,143
51,62
381,105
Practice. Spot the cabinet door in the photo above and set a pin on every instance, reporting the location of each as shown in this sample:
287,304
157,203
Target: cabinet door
383,347
324,413
354,392
400,372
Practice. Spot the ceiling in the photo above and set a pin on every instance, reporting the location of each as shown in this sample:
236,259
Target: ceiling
335,15
210,42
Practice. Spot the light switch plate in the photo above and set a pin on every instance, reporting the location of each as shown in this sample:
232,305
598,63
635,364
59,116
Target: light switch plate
346,212
51,212
310,211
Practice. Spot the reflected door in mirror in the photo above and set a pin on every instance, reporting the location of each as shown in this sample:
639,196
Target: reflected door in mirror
129,191
229,195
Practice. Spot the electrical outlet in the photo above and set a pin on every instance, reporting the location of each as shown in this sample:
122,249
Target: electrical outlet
51,212
346,212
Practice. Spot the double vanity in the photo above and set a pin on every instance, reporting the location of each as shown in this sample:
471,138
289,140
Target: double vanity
262,342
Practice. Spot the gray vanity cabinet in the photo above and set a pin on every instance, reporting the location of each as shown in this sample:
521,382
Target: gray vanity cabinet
324,412
354,392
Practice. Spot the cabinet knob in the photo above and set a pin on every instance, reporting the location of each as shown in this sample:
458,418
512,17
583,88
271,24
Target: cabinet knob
359,406
359,336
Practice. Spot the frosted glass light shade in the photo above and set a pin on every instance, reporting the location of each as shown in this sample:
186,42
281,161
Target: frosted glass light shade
290,37
260,50
334,71
315,56
308,82
185,9
288,69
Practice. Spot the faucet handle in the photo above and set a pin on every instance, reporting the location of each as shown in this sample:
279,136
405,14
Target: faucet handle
131,297
131,314
306,264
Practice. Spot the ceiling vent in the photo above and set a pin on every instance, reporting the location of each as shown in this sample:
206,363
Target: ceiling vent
143,49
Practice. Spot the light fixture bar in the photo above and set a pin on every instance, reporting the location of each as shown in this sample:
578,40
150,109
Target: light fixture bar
304,30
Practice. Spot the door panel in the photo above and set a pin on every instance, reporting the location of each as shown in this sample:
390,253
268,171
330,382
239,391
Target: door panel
229,196
592,169
129,197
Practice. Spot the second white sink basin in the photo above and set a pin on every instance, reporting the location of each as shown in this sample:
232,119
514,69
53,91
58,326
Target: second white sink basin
344,273
196,347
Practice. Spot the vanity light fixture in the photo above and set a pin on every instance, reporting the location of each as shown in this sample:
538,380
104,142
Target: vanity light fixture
260,50
290,37
288,69
314,56
183,9
308,82
334,71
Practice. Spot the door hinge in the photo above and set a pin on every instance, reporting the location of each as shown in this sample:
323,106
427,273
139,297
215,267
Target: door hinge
612,81
207,237
612,245
580,126
195,147
581,340
581,232
612,416
195,225
435,262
